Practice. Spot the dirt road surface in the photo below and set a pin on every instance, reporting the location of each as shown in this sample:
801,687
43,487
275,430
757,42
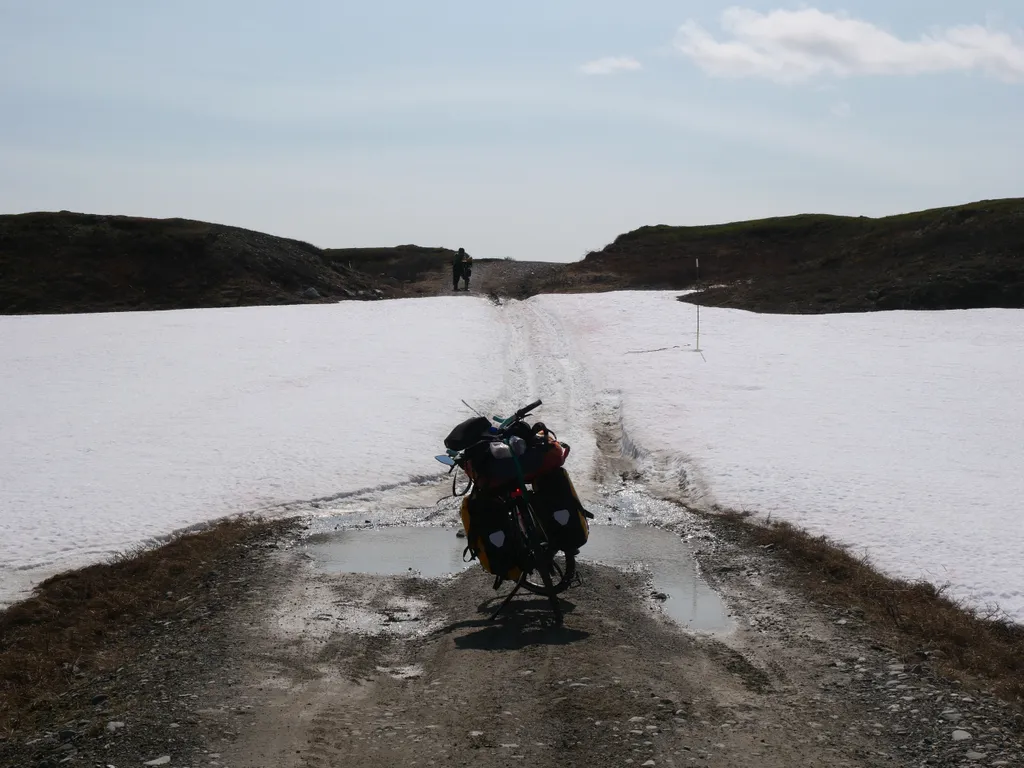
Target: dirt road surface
318,669
439,684
491,277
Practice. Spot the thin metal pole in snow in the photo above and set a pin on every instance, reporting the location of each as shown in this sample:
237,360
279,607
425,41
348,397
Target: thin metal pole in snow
697,262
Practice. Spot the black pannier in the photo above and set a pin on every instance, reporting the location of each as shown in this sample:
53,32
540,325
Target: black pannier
490,534
560,511
467,433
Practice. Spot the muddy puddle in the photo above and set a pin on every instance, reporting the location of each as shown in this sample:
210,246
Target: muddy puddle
673,569
429,552
435,552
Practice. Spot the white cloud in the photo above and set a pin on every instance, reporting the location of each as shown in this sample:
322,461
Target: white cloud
791,46
842,110
610,65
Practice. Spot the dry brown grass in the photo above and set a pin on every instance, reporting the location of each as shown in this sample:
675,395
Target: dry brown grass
980,648
85,623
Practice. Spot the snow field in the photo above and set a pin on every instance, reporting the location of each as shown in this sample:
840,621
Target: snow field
121,427
899,433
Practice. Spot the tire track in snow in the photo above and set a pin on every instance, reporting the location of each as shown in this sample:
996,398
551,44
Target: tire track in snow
607,458
542,363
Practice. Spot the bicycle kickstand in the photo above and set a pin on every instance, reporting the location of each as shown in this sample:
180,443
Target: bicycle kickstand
508,599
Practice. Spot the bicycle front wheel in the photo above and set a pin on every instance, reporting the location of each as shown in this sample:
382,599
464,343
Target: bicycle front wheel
549,571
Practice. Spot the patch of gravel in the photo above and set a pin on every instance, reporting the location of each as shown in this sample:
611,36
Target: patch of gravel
513,279
918,717
936,723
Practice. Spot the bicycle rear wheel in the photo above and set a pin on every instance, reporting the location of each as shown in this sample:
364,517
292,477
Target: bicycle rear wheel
553,571
560,570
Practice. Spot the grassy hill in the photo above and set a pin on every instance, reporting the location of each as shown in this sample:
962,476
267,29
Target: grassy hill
74,262
410,266
947,258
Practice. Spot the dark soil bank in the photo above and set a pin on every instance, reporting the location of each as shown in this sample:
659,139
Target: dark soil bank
951,258
72,262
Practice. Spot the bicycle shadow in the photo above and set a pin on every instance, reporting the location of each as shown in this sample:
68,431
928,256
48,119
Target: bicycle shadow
522,623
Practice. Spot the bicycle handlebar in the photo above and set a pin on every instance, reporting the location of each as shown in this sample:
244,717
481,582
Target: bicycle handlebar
527,408
517,416
503,424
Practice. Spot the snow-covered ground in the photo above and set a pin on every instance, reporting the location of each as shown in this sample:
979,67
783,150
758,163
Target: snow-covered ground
898,433
117,428
901,433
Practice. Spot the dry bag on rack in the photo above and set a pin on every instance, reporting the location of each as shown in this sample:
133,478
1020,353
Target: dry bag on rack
492,466
468,433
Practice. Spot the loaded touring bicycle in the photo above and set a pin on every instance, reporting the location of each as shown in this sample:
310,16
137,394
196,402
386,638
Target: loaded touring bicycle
522,517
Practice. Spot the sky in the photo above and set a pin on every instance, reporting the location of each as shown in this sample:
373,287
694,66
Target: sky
535,130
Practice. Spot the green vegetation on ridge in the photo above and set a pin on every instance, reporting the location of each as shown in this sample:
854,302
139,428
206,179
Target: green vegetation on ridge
945,258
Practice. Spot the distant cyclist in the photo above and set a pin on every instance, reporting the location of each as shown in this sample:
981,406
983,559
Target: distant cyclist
462,268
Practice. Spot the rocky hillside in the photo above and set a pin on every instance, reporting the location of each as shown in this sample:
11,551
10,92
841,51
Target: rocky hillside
73,262
949,258
404,263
